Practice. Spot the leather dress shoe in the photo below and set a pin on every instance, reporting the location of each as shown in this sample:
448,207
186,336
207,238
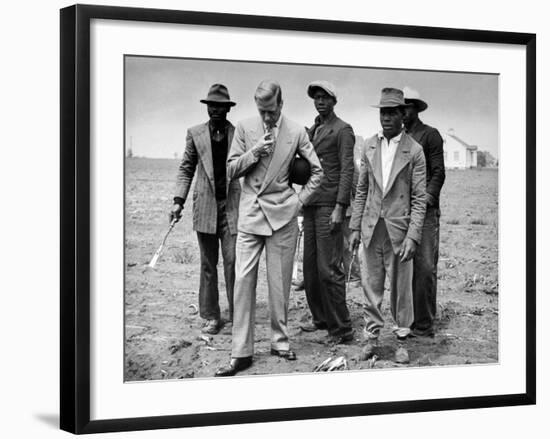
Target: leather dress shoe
235,365
312,327
342,338
287,355
211,327
429,332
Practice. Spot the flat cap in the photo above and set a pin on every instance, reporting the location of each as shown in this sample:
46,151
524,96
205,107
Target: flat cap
323,85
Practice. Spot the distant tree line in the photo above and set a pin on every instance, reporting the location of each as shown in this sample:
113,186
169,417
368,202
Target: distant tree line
486,160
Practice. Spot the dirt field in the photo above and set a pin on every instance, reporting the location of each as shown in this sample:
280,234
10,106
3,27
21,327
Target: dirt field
163,339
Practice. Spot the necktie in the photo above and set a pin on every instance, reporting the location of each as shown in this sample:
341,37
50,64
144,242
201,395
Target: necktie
271,131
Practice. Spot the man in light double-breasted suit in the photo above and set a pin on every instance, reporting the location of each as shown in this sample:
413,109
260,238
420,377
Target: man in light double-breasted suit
388,214
215,202
262,154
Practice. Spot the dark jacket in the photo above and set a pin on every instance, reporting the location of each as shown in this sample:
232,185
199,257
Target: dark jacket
334,147
432,143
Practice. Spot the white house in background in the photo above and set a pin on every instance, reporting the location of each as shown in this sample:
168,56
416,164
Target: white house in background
457,153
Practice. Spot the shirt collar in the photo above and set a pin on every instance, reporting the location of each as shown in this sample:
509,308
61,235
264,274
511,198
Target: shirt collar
395,139
318,120
211,126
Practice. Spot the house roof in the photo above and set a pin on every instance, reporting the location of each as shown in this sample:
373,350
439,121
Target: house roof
462,142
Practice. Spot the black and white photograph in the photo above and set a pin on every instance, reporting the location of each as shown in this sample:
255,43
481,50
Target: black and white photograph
275,219
286,218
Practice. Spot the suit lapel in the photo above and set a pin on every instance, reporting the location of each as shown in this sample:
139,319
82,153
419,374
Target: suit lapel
230,132
324,133
402,157
281,152
375,159
204,148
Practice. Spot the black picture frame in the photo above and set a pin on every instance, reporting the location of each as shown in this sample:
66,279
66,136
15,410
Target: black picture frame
75,217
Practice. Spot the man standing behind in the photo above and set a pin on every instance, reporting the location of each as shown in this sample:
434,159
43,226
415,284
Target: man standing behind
351,261
324,277
261,154
388,212
425,260
215,202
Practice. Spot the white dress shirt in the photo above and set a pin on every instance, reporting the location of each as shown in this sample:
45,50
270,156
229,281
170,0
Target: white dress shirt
387,154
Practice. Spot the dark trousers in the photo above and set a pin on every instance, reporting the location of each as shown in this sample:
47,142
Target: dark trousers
324,278
425,272
208,287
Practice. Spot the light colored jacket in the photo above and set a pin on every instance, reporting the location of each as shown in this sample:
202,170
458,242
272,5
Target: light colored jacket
403,204
268,202
197,160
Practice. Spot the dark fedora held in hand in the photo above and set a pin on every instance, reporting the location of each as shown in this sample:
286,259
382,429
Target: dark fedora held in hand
300,171
218,94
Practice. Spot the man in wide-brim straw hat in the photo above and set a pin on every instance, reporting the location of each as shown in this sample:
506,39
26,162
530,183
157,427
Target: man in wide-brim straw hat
215,202
388,213
425,260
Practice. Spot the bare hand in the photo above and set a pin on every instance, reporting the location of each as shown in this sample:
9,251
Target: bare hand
336,218
408,249
264,147
175,213
354,240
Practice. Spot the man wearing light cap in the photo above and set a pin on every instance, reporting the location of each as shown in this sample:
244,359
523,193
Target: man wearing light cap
388,213
324,277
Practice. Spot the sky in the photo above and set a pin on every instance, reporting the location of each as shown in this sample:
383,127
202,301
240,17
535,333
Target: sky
162,98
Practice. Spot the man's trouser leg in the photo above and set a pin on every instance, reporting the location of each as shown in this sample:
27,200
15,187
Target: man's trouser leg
311,271
280,248
209,307
228,243
401,297
373,275
425,273
332,280
248,251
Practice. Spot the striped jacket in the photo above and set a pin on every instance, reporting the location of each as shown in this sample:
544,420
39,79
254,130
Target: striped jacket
197,159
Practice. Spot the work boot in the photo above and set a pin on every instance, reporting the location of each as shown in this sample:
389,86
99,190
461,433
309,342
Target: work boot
211,326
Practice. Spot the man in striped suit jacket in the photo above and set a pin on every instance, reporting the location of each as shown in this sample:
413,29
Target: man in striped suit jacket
215,202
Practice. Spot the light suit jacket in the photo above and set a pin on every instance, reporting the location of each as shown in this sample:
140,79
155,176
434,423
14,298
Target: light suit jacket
268,202
198,157
402,204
